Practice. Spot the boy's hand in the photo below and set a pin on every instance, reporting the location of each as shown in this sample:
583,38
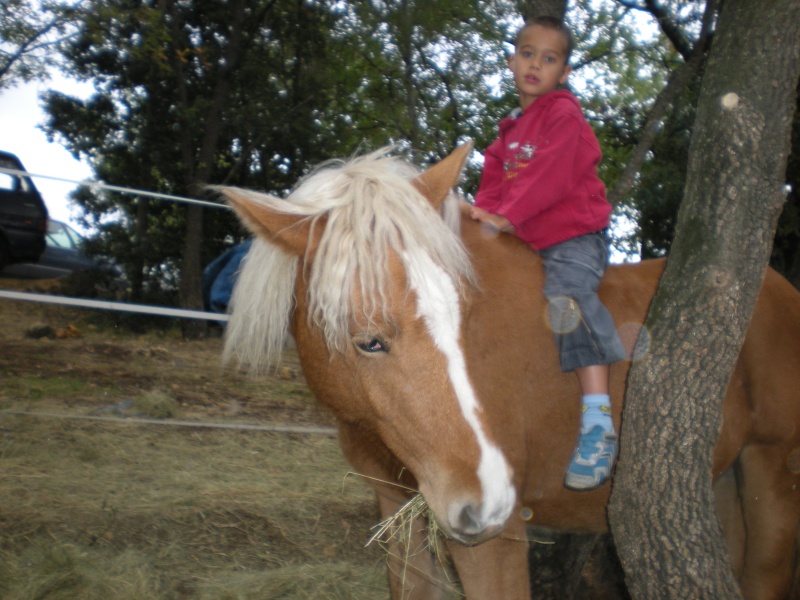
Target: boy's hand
499,222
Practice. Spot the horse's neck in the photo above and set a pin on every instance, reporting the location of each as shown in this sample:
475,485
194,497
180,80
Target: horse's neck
509,272
508,307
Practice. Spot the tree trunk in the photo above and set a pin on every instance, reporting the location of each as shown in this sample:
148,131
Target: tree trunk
139,237
197,174
574,566
405,44
662,507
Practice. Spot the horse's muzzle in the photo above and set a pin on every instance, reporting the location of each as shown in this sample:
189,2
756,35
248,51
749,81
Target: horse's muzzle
469,525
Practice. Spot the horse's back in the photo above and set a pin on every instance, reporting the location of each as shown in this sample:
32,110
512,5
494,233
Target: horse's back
770,362
628,289
763,401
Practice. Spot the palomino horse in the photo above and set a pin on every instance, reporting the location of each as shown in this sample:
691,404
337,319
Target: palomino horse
428,341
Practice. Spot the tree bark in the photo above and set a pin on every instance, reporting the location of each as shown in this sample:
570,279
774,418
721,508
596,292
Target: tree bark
662,506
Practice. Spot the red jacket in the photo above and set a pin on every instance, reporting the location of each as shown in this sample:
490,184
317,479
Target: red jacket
541,173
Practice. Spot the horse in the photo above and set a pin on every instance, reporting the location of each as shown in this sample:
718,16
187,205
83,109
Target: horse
426,336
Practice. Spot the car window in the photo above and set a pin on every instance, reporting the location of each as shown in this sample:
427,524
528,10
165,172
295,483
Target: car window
59,239
7,182
62,236
76,237
13,183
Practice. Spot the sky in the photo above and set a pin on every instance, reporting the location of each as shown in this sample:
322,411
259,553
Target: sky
20,115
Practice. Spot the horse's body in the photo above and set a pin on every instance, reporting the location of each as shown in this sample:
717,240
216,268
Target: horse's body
447,380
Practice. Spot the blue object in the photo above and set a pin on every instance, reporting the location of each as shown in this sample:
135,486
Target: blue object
593,459
596,411
220,276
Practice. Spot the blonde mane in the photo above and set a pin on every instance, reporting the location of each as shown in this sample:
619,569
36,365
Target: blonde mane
368,209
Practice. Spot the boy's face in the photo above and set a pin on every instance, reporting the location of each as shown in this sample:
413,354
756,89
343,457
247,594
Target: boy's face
539,63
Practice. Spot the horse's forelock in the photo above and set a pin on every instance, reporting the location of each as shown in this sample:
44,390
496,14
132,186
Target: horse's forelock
369,209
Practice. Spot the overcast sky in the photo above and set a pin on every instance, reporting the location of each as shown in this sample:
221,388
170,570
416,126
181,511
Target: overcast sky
20,114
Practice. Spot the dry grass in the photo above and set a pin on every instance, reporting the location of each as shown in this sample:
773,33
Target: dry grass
155,404
399,527
181,512
395,535
96,510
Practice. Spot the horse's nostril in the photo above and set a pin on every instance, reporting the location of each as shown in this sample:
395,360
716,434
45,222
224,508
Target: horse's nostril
468,520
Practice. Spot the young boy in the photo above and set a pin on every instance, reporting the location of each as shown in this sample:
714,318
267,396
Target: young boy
540,182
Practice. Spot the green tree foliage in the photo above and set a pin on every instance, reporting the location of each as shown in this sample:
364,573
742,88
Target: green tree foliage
311,80
625,62
29,35
657,197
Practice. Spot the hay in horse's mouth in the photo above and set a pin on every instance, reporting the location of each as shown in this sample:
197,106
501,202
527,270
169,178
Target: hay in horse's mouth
400,526
397,530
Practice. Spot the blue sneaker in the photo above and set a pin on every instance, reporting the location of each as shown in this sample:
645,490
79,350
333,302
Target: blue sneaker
593,459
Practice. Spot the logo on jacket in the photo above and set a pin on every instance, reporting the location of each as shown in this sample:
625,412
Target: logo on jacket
520,157
526,151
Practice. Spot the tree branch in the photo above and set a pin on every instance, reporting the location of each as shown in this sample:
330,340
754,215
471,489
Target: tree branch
665,23
677,83
669,28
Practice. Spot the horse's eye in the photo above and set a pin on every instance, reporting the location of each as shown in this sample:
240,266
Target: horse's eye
372,346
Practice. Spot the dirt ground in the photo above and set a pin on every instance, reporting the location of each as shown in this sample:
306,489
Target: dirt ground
116,509
93,367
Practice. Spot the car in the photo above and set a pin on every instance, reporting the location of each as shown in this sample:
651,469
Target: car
23,215
63,255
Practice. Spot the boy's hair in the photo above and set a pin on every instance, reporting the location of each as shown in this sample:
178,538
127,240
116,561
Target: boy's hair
549,23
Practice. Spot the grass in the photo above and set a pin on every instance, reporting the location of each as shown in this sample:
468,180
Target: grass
98,510
155,404
177,513
36,387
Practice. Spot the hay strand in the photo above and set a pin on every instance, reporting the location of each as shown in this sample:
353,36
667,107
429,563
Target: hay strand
397,531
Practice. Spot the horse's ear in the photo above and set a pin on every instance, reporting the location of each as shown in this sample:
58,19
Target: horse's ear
291,232
435,183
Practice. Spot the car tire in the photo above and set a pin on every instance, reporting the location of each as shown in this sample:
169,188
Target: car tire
5,255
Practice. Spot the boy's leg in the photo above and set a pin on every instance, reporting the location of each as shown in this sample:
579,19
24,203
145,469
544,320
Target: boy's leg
593,379
596,450
584,330
587,342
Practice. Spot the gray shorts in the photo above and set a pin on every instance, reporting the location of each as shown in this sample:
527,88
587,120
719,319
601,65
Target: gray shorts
584,330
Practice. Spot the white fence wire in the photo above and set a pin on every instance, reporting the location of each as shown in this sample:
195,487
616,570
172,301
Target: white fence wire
110,305
100,185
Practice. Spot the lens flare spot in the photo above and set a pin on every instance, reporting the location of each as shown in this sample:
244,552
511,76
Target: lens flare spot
635,339
793,461
563,314
526,514
729,101
489,231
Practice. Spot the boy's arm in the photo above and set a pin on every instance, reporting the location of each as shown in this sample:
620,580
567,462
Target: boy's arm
499,222
490,189
549,175
487,200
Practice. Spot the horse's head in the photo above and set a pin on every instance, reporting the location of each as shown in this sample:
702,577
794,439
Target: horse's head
360,266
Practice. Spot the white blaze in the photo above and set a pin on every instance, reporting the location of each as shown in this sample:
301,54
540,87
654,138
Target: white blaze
439,307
